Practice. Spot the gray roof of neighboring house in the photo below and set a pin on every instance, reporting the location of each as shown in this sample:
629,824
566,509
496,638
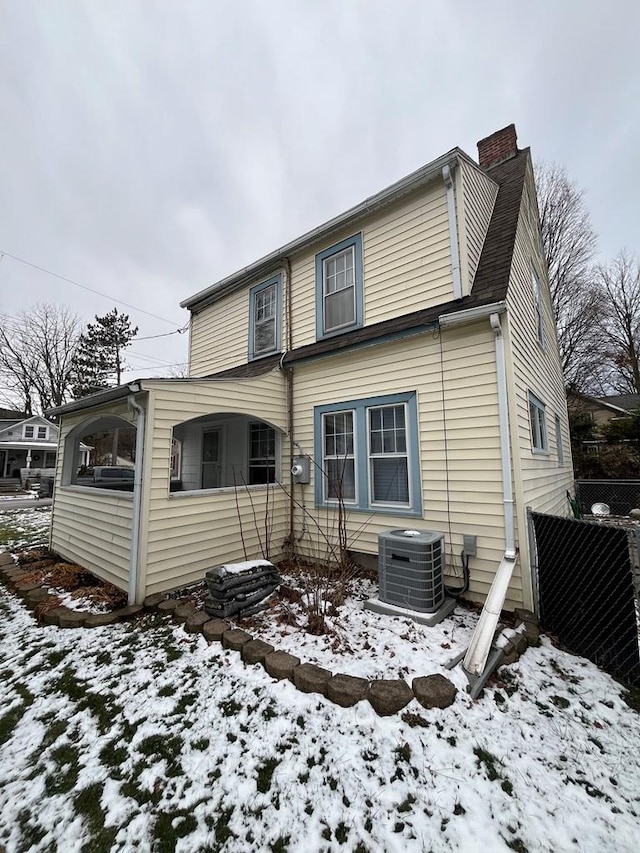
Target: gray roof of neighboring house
628,402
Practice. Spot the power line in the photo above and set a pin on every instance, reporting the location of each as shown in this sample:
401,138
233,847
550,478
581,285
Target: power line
83,286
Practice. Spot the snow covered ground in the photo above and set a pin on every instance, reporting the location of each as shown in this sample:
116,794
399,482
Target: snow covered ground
142,737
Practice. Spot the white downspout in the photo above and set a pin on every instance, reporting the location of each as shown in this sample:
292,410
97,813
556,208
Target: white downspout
505,445
476,657
453,232
137,499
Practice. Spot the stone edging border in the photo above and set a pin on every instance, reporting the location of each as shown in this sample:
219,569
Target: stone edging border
386,696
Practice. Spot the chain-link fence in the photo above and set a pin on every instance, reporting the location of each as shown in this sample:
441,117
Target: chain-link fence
621,496
589,589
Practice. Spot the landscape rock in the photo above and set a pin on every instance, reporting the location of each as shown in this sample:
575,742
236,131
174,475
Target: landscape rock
523,615
23,589
255,651
52,617
635,513
95,620
195,621
70,618
434,691
213,630
388,696
151,602
310,678
129,612
281,665
6,559
168,605
235,639
347,690
183,610
35,596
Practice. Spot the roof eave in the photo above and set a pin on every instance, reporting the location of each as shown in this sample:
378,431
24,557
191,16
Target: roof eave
269,262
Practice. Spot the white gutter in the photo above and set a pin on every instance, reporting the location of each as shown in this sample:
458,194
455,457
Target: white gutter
476,657
137,500
469,315
453,231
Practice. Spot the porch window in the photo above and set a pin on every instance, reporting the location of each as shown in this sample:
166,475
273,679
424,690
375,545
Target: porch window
100,453
262,454
370,455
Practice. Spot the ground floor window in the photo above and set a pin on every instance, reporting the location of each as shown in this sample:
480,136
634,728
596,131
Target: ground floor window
262,454
368,454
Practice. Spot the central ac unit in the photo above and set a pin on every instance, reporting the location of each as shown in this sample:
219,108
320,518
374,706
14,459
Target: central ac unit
411,569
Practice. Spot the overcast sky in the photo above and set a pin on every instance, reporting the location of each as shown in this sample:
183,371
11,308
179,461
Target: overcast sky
148,149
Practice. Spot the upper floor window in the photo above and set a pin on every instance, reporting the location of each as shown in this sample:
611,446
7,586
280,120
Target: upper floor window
43,433
369,454
537,299
264,318
537,418
339,302
28,431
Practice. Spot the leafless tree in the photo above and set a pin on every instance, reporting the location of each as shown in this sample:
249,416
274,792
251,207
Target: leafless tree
36,354
569,243
619,282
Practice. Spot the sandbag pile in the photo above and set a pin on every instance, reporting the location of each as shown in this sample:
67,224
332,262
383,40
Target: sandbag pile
239,589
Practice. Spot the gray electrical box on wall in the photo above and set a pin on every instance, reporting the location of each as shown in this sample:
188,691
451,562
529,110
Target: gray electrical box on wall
301,469
469,545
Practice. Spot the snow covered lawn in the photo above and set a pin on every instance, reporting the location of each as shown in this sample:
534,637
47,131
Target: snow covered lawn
23,528
141,737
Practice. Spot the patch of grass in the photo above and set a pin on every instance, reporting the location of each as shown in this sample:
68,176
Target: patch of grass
516,844
221,828
184,702
489,761
169,827
229,707
265,774
87,804
632,698
507,787
9,721
281,844
560,701
201,744
64,779
31,833
403,753
54,730
405,805
103,658
166,690
56,657
113,757
160,746
341,832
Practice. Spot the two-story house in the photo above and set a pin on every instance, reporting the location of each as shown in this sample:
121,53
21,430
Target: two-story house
405,350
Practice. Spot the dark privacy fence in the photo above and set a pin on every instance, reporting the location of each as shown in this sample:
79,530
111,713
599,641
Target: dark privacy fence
621,495
588,591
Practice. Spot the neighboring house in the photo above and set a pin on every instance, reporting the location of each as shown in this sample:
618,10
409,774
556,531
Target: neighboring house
601,410
27,443
405,350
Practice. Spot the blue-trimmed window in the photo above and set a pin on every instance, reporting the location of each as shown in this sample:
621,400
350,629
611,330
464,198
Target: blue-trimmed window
339,304
537,418
367,454
264,318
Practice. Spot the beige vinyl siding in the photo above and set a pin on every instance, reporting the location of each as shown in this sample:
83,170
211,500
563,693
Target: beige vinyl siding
406,266
542,481
220,335
187,533
406,262
463,496
92,527
479,194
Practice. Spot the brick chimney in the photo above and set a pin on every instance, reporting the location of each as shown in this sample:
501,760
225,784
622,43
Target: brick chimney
500,146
